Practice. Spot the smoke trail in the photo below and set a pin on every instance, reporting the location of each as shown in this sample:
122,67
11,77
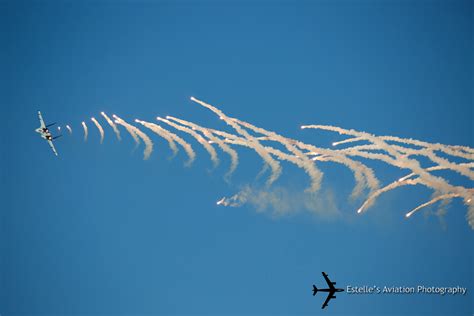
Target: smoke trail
349,140
162,133
444,162
235,200
434,168
432,146
459,168
290,158
300,159
254,144
359,169
129,129
460,191
282,201
363,175
352,132
437,183
436,199
262,171
462,148
112,124
400,182
199,138
146,140
86,132
99,127
187,147
371,199
69,129
277,153
373,156
395,151
236,140
136,134
450,150
225,148
239,198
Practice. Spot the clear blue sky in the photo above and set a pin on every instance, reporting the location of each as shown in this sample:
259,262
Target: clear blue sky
100,231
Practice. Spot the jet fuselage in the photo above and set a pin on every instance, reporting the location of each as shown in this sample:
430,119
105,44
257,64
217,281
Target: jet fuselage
330,290
44,132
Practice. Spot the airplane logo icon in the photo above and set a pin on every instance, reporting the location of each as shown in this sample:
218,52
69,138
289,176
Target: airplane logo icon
331,290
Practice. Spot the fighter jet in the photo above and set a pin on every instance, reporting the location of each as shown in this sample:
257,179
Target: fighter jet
331,290
45,133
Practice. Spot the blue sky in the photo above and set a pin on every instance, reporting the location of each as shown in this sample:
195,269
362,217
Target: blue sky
100,231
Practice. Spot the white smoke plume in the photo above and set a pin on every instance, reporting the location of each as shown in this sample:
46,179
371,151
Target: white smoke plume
460,168
281,201
402,161
148,143
99,127
362,174
162,133
137,135
300,158
129,129
432,201
397,152
234,157
112,124
253,143
186,146
212,152
86,132
457,151
434,168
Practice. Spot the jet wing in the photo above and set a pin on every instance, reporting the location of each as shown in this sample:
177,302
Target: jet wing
52,147
41,120
331,286
330,295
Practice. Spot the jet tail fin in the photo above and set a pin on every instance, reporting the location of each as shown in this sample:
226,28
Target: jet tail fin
315,290
57,136
50,124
